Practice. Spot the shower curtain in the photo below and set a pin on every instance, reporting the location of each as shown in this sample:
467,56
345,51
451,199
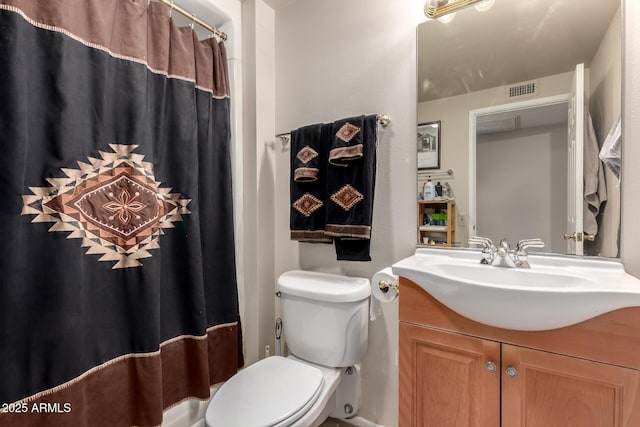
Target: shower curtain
118,295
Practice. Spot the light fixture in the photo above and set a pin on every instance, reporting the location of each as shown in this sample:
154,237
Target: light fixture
447,18
437,8
484,5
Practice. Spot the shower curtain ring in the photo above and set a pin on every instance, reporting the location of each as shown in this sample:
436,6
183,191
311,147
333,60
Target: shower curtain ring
193,22
171,9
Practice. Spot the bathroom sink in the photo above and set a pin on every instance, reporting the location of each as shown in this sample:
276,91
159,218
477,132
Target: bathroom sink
557,291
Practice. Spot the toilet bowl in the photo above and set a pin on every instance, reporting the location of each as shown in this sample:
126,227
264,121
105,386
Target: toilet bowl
325,322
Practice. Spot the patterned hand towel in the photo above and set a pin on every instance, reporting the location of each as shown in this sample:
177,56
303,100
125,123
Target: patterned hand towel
307,146
347,144
350,187
308,183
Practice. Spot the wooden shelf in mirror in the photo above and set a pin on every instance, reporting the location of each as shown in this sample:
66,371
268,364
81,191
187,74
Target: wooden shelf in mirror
436,234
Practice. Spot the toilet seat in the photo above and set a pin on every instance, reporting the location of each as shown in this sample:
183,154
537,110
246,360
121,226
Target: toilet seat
274,392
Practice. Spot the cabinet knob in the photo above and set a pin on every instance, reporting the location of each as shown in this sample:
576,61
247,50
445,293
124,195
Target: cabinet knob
490,366
511,371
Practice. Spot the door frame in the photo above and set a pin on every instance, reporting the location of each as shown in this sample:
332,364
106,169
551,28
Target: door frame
485,111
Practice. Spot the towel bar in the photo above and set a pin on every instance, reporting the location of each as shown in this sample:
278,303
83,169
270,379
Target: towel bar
383,119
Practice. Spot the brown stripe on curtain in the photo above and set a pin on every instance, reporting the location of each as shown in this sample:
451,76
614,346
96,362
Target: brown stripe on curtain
135,30
133,389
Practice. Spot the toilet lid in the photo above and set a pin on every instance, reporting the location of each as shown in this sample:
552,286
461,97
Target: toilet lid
273,391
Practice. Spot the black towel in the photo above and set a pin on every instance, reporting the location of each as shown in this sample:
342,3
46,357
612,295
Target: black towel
351,179
308,183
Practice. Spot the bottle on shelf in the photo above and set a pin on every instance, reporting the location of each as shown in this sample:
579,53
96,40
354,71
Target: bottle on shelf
448,190
428,190
438,189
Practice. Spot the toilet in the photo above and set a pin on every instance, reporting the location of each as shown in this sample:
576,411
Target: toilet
325,323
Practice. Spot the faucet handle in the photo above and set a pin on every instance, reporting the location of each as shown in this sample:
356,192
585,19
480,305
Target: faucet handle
488,248
484,241
523,245
521,251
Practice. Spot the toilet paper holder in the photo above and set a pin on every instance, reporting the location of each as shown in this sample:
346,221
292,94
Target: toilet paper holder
385,286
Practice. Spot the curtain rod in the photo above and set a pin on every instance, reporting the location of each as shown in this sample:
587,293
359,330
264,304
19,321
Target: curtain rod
192,16
383,119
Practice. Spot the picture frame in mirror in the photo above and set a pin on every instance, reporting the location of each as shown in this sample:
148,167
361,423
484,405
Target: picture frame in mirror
429,145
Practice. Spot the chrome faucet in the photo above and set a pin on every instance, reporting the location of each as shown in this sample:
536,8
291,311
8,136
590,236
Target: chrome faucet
502,255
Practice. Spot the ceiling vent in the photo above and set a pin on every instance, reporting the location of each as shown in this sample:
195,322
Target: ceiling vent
522,90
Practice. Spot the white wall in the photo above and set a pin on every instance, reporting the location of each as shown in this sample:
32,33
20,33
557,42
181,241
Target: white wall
259,176
536,207
605,105
335,59
605,79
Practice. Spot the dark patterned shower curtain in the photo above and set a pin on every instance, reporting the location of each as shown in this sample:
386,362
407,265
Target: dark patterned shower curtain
118,294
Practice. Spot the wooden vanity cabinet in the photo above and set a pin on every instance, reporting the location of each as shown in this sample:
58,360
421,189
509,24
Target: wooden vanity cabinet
456,372
554,390
443,381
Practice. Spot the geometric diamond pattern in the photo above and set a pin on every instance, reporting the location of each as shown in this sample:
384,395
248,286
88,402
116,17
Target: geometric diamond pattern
347,131
307,204
306,154
347,197
114,204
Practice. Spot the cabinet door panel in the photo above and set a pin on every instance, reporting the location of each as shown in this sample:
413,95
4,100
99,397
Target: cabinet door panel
551,390
444,381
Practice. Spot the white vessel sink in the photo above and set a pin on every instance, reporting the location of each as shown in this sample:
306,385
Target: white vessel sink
557,291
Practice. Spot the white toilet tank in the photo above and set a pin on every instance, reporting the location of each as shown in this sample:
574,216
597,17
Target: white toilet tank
325,317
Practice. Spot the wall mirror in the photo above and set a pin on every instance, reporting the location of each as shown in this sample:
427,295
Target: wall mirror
507,84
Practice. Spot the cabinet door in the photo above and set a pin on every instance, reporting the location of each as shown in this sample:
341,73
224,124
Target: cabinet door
549,390
445,380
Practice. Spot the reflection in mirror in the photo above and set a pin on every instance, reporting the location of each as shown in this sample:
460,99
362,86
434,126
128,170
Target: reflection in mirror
518,143
506,84
429,145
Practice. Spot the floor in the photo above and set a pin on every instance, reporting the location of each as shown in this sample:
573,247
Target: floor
332,422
